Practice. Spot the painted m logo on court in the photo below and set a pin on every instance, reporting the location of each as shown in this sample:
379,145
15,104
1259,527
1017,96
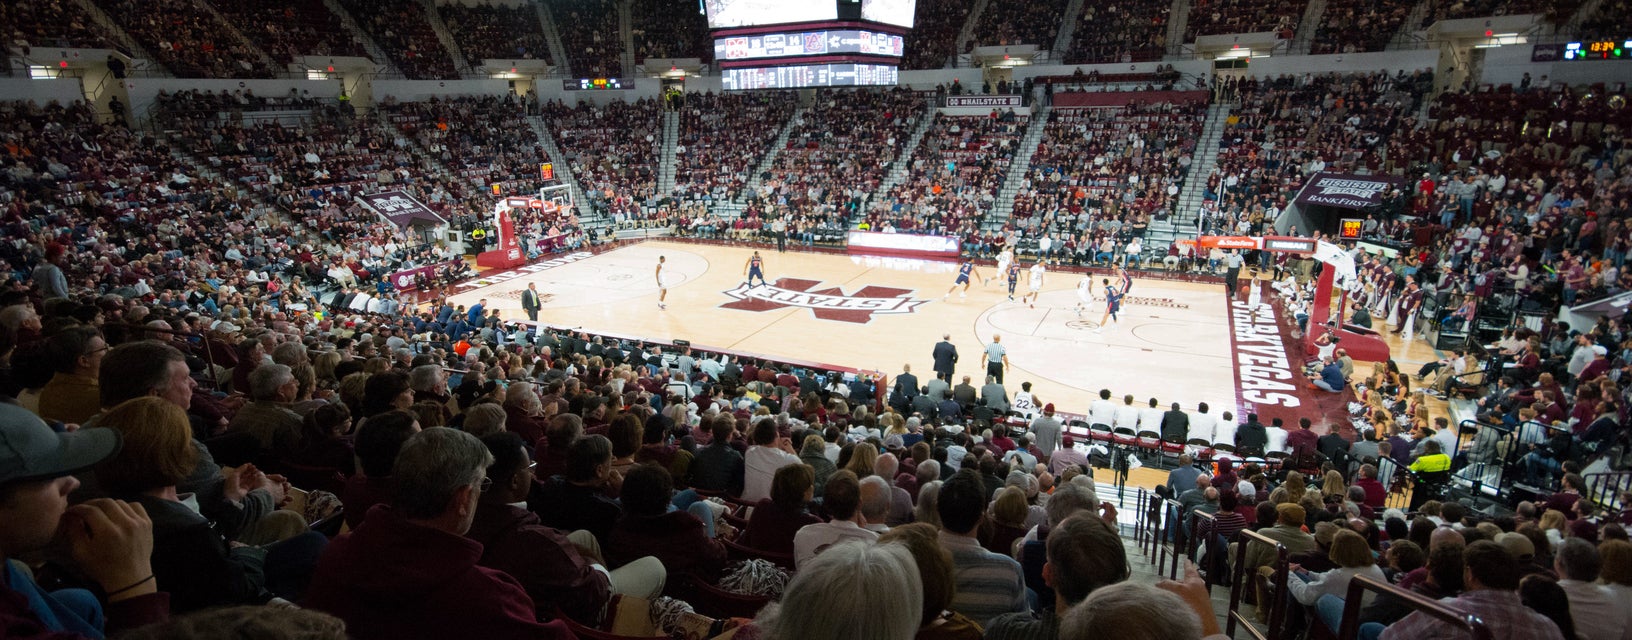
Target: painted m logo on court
826,304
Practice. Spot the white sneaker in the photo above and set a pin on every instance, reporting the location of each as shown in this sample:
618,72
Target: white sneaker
963,294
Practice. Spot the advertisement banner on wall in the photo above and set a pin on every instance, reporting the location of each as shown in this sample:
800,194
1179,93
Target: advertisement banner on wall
995,102
400,208
1345,191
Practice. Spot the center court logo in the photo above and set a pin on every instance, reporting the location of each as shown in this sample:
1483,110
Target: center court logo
826,304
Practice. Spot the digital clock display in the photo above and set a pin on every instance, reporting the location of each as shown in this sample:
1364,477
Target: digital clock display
1597,50
596,84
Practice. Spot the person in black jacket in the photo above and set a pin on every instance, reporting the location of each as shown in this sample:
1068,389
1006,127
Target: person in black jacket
1175,425
946,357
580,498
1251,436
906,384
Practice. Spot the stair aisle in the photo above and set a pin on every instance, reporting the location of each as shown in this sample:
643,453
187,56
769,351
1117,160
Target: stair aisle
769,159
373,48
546,20
1181,222
103,20
563,173
448,41
667,159
1020,167
903,157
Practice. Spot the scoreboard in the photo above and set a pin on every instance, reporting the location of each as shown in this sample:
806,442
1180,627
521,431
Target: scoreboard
845,74
808,42
1597,50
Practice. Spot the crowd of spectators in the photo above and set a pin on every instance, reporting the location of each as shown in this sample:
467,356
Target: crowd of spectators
670,29
1605,22
1219,17
1011,22
189,42
590,36
933,39
496,32
722,139
954,177
1553,12
285,30
1109,32
1099,176
840,149
403,30
50,23
1353,26
481,139
613,151
1287,128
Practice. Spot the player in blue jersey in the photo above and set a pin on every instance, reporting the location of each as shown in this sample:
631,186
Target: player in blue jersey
1113,296
755,268
1014,278
966,271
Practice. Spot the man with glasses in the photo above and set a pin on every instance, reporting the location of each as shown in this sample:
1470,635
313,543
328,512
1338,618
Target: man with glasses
409,572
72,396
565,571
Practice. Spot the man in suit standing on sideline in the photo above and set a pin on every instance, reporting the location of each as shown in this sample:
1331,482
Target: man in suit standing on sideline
946,357
906,384
529,301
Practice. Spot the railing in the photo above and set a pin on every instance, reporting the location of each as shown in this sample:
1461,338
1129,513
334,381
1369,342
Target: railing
1277,596
1171,531
1196,541
1604,489
1349,628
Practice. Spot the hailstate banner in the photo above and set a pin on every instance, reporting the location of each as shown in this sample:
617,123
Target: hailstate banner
983,101
400,208
1345,191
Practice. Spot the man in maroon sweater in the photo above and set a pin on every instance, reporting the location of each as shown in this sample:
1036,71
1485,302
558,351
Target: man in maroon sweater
409,572
111,541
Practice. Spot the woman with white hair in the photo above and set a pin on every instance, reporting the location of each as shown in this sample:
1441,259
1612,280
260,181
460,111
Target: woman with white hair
875,587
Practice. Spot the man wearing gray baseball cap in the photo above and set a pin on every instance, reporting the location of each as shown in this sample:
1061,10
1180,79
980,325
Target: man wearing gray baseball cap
111,541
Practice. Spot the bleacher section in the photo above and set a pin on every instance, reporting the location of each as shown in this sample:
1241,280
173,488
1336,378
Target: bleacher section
191,43
722,138
845,142
933,38
613,151
589,32
1218,17
285,29
670,29
496,32
50,23
404,31
1103,173
956,173
1009,22
1120,32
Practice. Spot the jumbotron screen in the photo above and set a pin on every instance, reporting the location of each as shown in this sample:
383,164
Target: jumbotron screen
896,12
725,14
846,74
806,43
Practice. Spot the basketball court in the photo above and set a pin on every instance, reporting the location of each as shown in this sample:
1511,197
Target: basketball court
1173,343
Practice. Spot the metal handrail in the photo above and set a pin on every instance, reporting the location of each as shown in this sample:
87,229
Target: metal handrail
1170,515
1277,608
1604,488
1349,628
1195,540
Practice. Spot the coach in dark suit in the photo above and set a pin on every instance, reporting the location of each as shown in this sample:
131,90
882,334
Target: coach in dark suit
946,357
1175,425
906,384
529,301
1251,435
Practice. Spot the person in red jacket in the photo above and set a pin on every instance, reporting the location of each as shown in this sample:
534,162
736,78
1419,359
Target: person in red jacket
111,541
409,572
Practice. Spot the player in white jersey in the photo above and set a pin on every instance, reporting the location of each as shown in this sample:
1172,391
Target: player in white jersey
1034,286
1004,259
662,287
1085,292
